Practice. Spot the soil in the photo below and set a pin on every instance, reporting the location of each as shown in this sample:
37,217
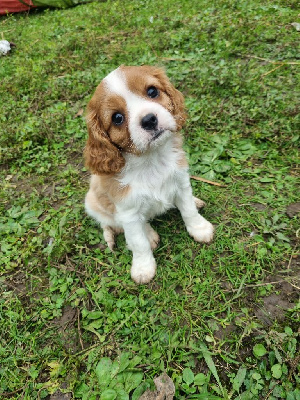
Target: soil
60,395
67,330
293,209
273,308
259,206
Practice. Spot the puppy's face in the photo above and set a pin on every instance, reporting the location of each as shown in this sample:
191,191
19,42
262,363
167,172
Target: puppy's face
132,110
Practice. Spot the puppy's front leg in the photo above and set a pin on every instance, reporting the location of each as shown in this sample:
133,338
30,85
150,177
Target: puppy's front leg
197,226
143,263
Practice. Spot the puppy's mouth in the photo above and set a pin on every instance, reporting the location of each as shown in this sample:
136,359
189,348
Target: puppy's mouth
157,133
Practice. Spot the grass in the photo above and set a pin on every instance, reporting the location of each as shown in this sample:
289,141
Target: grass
222,320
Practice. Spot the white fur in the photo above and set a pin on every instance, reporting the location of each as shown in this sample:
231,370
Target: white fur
157,183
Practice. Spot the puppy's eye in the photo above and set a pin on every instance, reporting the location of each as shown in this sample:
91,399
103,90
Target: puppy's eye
118,118
152,92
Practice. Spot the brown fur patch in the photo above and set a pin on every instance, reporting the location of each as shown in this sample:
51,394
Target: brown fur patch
103,151
182,161
101,155
108,190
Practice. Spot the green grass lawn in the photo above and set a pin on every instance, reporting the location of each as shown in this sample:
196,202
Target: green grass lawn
222,320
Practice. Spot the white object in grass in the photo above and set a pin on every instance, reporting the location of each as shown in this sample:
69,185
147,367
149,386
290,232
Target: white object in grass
4,47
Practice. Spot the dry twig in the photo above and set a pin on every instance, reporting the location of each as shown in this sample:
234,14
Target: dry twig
197,178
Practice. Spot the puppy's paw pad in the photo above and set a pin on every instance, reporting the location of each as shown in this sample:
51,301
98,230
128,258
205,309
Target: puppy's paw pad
203,233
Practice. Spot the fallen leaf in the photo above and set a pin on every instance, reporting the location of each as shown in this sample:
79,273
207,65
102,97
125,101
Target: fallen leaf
79,113
296,25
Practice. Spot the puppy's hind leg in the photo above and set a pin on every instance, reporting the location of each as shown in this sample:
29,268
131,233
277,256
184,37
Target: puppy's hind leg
199,203
153,236
109,237
103,216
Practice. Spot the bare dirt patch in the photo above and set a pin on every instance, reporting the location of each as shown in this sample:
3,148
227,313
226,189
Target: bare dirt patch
273,308
293,209
17,284
67,329
284,296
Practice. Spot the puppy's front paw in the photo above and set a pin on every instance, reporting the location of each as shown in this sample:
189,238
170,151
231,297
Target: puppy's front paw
143,271
202,232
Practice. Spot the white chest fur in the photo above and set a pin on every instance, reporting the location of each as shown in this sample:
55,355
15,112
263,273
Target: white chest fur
153,179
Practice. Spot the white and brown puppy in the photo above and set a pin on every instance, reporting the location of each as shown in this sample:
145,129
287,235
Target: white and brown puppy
139,169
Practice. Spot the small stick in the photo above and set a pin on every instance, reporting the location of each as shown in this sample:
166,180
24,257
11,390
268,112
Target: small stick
174,59
274,62
272,70
197,178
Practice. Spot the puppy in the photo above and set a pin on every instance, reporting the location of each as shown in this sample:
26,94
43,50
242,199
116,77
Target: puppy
139,169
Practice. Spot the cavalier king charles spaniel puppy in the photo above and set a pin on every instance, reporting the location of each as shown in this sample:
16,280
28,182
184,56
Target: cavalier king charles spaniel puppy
139,169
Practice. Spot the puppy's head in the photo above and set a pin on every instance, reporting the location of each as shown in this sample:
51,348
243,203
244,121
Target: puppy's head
133,110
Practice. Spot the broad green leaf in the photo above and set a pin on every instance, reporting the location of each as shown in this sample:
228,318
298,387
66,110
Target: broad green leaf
95,324
115,368
239,379
281,236
200,379
223,140
288,331
259,350
122,395
108,394
124,361
62,223
135,361
188,376
276,371
81,390
256,376
33,372
221,166
203,168
210,175
15,212
277,355
94,314
139,391
131,380
103,372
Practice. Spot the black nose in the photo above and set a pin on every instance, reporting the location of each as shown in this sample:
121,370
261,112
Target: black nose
149,122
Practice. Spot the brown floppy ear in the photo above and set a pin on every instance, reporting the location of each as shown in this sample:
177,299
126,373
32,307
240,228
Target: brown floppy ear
177,107
101,155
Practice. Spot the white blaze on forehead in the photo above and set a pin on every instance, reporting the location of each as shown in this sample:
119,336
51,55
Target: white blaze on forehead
115,82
